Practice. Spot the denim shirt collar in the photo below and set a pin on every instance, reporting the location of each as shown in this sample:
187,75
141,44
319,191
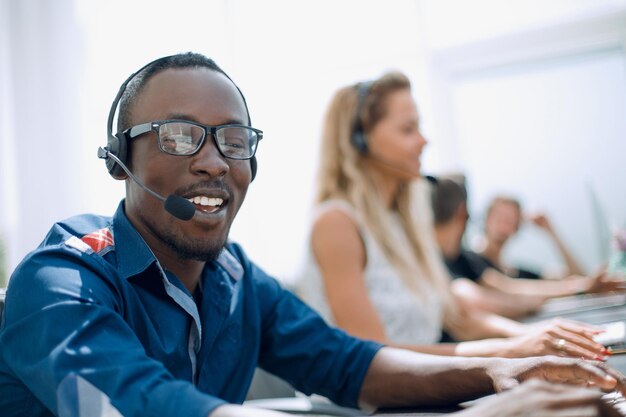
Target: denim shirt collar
133,254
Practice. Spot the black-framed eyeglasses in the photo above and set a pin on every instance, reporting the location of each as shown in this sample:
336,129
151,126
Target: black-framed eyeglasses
184,138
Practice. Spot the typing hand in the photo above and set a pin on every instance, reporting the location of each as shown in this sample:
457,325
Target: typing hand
568,371
543,399
559,337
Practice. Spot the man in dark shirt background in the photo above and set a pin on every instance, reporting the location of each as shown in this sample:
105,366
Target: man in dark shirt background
481,284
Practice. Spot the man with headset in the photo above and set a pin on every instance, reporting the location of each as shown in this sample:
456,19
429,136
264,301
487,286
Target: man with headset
155,313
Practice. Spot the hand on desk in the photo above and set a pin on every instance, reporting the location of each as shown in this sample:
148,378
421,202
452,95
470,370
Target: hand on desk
582,396
541,399
559,337
602,281
558,370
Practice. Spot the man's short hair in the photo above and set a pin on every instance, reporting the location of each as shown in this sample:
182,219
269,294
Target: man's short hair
184,60
447,195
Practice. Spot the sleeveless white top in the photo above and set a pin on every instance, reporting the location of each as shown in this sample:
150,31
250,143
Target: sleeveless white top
407,318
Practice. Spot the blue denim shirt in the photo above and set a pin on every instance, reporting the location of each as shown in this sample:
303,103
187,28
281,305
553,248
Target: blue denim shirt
92,301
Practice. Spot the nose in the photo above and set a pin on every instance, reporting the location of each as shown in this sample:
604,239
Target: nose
208,160
422,139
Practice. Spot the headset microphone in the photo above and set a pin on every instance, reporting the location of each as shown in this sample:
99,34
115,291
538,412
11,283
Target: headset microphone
177,206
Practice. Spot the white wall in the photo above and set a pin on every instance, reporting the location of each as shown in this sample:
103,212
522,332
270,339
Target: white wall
61,67
40,135
539,113
550,131
288,63
299,56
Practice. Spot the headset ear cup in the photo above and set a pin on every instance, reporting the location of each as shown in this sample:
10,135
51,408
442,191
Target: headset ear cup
358,138
118,147
359,142
253,167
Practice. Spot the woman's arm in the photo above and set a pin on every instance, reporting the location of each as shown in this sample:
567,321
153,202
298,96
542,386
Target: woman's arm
341,256
598,283
513,306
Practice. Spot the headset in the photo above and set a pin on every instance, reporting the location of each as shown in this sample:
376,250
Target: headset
358,139
117,144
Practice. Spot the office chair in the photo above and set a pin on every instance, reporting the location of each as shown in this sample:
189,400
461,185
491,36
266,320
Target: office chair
2,295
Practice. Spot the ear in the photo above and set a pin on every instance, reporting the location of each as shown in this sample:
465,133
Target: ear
461,214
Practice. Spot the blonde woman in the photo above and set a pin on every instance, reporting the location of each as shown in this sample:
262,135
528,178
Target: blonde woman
373,268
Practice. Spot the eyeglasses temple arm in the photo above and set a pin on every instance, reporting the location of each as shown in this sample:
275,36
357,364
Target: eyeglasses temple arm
135,131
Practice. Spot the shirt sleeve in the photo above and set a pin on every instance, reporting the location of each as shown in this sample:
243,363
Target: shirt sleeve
63,318
298,346
527,274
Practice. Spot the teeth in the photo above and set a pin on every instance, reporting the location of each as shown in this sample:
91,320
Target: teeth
206,201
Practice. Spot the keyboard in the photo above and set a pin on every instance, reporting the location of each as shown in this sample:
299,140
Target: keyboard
584,302
614,336
617,400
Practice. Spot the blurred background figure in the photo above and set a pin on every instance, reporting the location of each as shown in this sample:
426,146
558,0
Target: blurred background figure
503,219
477,281
372,266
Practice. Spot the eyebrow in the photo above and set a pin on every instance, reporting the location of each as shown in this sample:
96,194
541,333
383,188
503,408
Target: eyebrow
182,116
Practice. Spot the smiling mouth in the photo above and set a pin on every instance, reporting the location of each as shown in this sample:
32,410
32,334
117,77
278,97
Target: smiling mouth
207,204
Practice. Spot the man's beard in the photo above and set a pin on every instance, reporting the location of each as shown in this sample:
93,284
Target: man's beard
203,250
199,251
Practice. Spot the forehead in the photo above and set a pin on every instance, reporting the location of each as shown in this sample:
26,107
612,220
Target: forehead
400,104
199,94
505,208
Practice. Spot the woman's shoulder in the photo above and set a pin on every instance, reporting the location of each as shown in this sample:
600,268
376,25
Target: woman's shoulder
335,213
334,206
334,217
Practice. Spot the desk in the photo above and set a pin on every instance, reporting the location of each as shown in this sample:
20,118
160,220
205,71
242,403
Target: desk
421,413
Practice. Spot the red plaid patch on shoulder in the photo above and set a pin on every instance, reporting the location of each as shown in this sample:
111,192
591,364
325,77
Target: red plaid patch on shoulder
99,239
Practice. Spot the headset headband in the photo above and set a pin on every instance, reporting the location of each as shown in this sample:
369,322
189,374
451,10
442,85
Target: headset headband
116,143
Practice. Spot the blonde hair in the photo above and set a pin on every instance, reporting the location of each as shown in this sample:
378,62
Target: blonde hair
343,175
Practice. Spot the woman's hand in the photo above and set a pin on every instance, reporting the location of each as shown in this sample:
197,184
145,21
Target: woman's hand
557,337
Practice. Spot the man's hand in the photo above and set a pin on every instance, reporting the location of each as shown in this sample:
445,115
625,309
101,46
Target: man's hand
542,399
541,221
568,371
